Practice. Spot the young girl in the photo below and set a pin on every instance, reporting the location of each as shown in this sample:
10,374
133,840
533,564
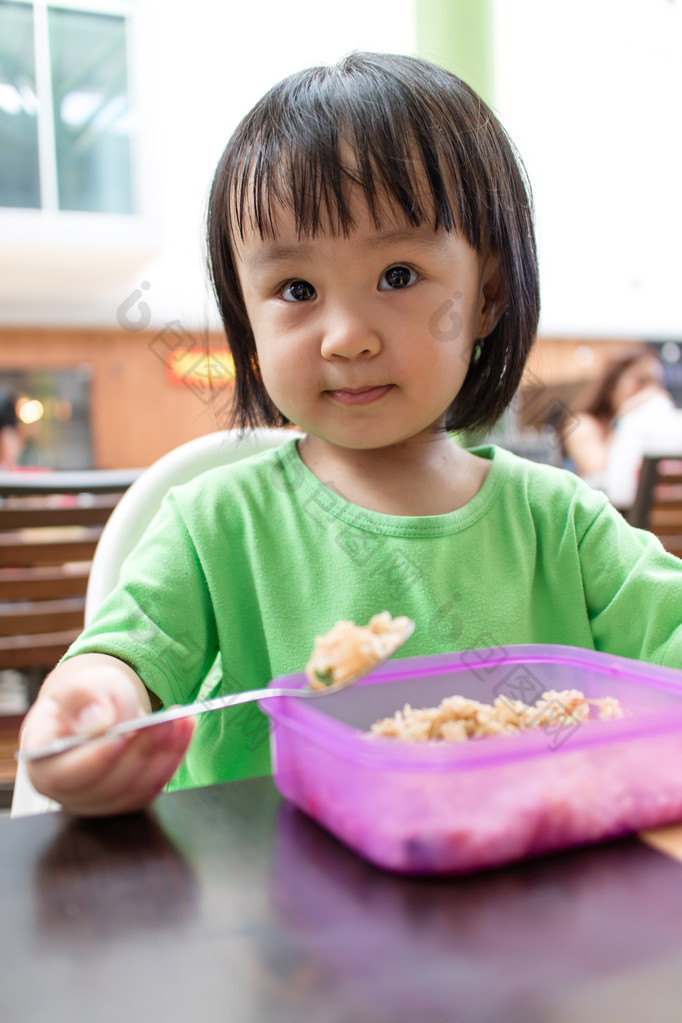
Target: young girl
372,252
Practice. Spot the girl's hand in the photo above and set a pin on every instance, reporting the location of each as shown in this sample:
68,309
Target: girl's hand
89,693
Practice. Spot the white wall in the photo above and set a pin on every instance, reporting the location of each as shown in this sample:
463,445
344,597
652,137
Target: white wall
200,67
591,92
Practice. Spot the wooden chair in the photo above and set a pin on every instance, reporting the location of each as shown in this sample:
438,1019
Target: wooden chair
658,502
50,523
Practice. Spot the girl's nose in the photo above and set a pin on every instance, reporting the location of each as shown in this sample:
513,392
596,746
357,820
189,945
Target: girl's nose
349,335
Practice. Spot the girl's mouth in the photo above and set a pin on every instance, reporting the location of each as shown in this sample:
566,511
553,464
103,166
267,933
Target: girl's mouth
361,396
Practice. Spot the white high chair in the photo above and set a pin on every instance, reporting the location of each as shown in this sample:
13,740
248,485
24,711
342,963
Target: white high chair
128,522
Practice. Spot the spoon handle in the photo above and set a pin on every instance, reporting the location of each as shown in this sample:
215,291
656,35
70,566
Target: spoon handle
159,717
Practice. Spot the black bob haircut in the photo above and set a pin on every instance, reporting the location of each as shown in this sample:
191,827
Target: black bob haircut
420,141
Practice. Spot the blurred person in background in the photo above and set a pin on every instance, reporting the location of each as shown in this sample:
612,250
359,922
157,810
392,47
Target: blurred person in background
11,442
631,414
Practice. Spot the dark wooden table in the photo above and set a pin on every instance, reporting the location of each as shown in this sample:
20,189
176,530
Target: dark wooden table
226,904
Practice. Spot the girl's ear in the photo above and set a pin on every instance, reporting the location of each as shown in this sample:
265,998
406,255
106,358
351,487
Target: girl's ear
492,300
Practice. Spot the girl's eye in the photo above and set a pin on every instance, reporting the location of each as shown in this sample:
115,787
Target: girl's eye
397,277
298,291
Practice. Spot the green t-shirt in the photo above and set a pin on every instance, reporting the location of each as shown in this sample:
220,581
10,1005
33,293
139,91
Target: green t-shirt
251,561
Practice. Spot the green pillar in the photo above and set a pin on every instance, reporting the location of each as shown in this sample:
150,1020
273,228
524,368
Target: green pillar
458,35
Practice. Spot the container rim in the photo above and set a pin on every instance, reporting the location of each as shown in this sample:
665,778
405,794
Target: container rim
354,744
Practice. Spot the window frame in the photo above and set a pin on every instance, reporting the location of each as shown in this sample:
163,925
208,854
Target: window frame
122,239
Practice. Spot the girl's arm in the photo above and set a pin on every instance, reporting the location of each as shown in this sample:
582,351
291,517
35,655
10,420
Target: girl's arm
88,693
633,591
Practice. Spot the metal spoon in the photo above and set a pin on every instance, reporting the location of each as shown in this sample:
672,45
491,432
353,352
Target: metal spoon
69,742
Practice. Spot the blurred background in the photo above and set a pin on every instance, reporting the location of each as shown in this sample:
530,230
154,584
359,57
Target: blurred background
113,115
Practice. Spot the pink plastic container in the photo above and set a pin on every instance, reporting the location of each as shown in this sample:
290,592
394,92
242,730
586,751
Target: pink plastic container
443,808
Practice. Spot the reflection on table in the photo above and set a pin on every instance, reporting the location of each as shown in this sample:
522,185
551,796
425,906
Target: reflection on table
227,903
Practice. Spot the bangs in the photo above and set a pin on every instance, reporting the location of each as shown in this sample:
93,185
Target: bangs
333,133
319,190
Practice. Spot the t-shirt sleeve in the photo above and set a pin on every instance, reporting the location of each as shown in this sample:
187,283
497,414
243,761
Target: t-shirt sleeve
160,618
633,591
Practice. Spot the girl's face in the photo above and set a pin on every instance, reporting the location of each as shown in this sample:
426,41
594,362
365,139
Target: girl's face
364,341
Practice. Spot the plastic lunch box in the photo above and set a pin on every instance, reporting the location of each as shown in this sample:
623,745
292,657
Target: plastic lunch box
441,808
